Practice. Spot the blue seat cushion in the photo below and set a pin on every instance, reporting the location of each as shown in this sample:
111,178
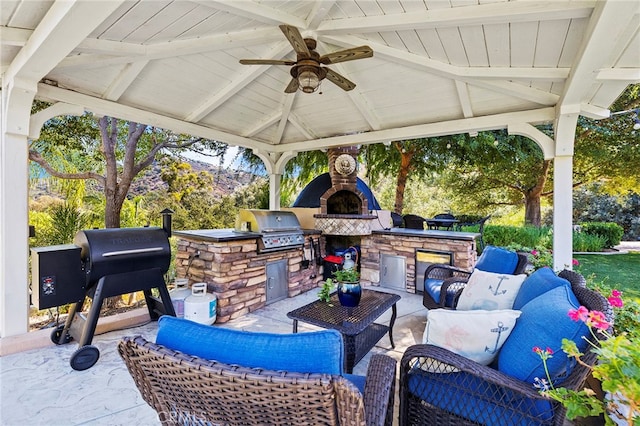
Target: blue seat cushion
432,286
474,399
497,260
544,322
359,381
541,281
312,352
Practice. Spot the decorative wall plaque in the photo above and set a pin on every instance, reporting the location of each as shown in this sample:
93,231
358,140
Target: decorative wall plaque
345,164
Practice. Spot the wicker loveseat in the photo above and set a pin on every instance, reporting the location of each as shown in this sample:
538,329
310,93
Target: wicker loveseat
440,387
304,385
443,284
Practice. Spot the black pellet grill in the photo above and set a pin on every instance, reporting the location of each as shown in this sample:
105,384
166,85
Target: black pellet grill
101,263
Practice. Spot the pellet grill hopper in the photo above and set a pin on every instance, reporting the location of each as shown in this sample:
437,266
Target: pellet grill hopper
101,263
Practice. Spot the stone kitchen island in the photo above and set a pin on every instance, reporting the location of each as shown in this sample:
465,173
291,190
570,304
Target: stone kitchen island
243,278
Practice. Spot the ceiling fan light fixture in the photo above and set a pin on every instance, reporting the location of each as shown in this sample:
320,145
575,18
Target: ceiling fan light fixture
308,81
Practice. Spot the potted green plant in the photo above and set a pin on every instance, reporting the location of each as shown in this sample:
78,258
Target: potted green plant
350,275
349,289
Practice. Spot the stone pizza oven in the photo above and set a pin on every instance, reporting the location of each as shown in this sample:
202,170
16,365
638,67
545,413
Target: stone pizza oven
344,210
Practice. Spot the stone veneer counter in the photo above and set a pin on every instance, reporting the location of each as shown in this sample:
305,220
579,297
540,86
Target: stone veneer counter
229,262
218,235
447,235
406,242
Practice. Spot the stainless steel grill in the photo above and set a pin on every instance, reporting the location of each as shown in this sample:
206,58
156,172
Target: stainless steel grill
280,230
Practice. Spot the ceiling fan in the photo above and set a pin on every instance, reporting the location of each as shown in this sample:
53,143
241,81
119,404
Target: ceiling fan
307,71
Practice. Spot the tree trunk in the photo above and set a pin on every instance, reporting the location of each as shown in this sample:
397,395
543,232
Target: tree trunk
403,174
532,210
532,198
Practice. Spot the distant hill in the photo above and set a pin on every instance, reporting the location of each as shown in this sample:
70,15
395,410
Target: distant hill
226,181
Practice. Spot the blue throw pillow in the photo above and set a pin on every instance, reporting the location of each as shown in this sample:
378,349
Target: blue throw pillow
312,352
544,322
497,260
541,281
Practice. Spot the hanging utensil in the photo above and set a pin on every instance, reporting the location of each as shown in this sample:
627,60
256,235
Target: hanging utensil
305,261
313,258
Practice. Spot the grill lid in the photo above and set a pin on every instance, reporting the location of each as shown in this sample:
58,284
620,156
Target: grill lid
266,221
280,229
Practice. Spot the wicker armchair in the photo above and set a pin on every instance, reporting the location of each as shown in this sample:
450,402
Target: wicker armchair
439,387
186,389
446,282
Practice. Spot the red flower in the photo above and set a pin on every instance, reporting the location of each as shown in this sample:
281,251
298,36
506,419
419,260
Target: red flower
598,320
616,302
580,314
575,262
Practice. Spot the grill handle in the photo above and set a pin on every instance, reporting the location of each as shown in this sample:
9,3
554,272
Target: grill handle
133,251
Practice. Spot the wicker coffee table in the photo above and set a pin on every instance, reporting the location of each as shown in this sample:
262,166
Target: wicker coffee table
359,331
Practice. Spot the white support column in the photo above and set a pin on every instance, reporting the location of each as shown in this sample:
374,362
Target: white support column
274,162
565,131
17,97
562,213
274,191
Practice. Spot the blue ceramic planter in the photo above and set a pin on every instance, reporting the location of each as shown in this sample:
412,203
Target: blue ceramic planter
349,294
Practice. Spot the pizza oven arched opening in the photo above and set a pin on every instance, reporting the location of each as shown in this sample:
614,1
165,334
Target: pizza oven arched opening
344,202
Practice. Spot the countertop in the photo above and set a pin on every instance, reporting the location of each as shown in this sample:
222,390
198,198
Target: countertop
449,235
227,234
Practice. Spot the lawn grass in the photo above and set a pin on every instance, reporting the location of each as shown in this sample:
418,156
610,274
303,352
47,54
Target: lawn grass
621,271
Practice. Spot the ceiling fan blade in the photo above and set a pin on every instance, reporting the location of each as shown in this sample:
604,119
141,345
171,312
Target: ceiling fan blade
347,55
266,62
292,87
295,38
339,80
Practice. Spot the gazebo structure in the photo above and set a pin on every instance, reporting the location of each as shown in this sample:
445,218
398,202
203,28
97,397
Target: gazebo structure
439,67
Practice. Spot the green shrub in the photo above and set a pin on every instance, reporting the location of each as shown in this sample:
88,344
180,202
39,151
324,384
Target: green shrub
611,232
584,242
527,236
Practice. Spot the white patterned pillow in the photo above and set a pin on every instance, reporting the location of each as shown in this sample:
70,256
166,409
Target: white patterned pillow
477,335
490,291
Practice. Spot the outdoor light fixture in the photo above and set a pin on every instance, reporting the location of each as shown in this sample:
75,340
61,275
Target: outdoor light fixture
308,80
636,120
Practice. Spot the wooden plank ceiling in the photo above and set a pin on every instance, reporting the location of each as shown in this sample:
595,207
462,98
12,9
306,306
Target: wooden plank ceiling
439,66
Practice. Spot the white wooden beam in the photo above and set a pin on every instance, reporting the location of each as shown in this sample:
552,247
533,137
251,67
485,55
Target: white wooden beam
256,11
484,14
360,103
297,123
448,70
545,143
594,112
59,108
474,76
609,22
239,83
318,13
122,82
113,109
52,39
270,121
14,36
443,128
100,53
628,75
465,99
286,110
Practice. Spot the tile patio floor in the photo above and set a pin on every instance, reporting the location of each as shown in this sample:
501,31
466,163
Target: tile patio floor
38,387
